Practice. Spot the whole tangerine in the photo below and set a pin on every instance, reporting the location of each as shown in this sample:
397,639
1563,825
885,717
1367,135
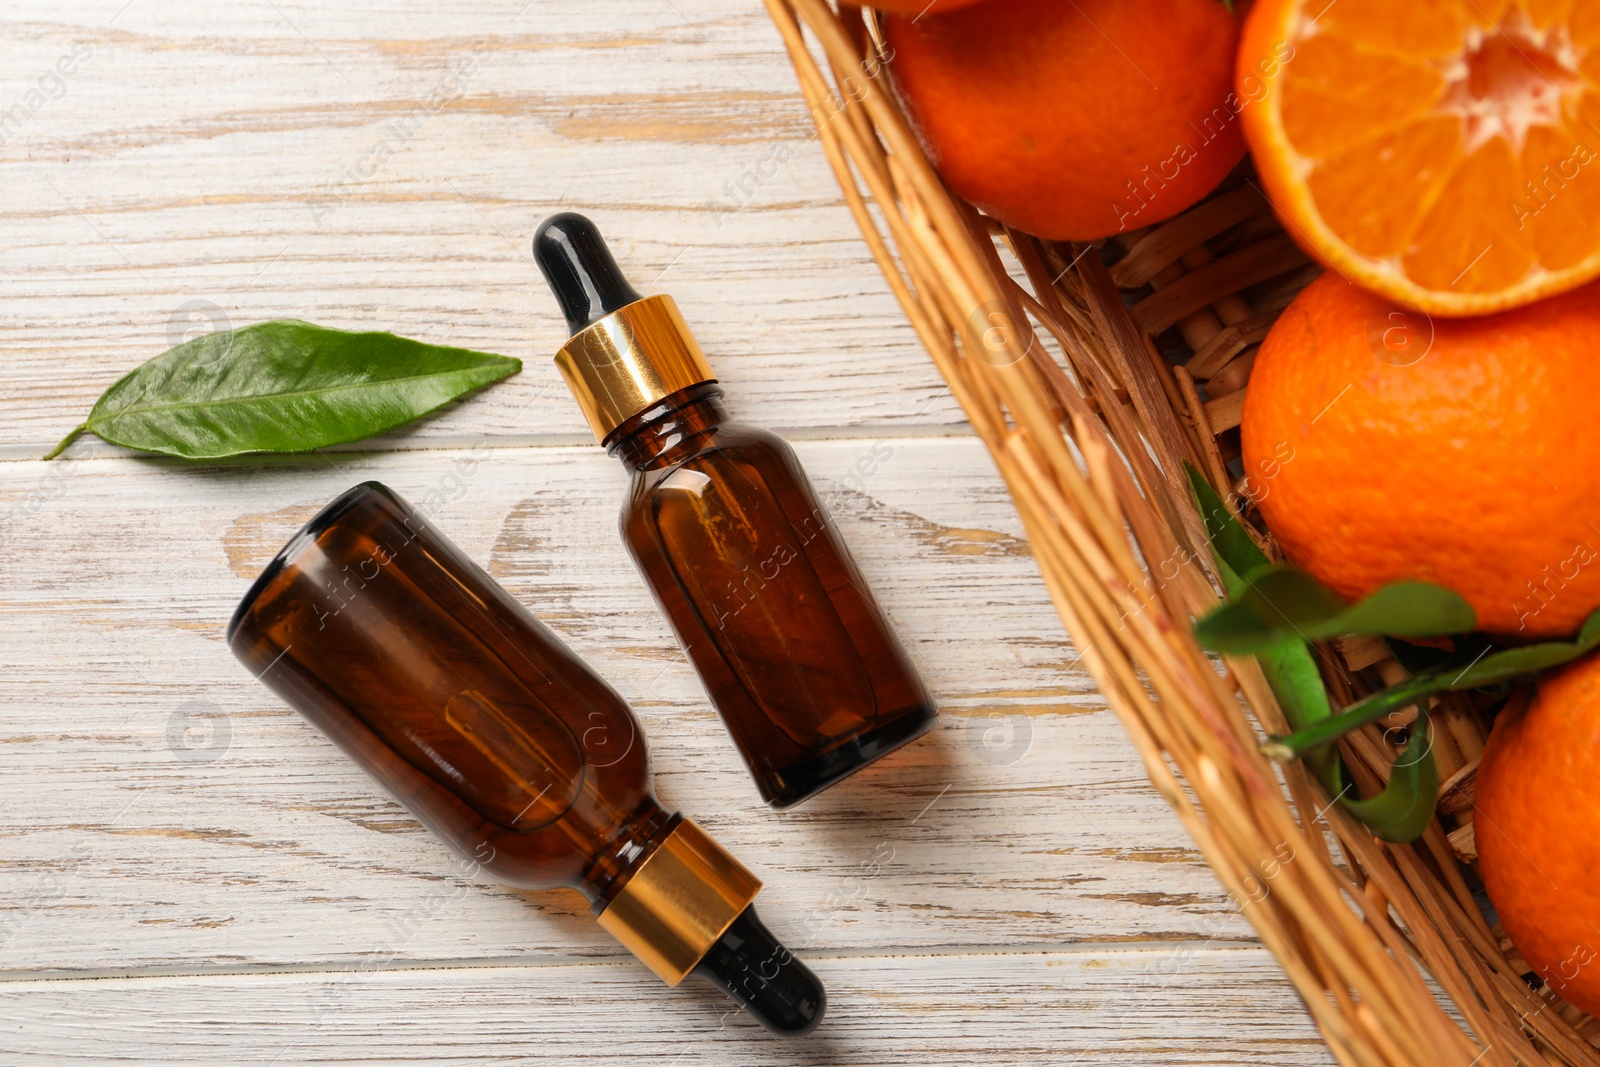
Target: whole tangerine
1073,121
1382,445
1537,825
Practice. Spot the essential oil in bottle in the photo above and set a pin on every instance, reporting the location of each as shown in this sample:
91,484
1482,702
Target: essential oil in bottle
743,558
479,720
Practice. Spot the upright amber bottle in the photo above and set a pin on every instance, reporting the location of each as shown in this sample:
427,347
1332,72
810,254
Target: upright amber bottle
482,723
741,555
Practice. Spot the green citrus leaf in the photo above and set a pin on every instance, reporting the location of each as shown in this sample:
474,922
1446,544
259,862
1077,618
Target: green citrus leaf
1406,609
1293,675
1403,810
1589,634
1281,602
1474,666
283,386
1238,556
1509,663
1238,629
1291,670
1276,612
1287,664
1291,600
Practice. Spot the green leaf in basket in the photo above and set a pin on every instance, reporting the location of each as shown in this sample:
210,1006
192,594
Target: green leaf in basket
1474,666
1509,663
1238,556
282,386
1404,808
1291,671
1281,602
1406,609
1237,629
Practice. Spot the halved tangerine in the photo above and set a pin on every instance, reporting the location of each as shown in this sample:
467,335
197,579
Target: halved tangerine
1444,153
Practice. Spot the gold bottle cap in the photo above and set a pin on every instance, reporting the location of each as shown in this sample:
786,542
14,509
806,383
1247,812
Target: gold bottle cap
679,901
633,358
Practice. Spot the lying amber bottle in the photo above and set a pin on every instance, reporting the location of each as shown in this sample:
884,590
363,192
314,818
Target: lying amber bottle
480,721
797,656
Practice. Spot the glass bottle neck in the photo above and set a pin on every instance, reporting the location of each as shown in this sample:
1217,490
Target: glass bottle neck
624,849
676,425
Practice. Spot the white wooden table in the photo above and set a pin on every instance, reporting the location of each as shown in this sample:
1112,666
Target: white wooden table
190,874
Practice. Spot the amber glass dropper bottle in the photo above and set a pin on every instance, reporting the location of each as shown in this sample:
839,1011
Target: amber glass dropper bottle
480,721
743,558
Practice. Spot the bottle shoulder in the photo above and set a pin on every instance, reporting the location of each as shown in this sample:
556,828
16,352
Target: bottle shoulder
727,443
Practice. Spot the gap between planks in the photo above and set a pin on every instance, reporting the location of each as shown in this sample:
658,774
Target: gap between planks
1087,949
100,450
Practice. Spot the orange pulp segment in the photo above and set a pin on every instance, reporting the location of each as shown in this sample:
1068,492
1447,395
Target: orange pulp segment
1443,153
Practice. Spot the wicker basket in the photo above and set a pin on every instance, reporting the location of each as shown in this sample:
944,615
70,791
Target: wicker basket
1147,371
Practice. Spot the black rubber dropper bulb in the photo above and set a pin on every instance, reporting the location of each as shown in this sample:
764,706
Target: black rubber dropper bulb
576,262
766,979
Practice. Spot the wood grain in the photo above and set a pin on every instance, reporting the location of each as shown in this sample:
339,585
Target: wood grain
201,169
190,874
279,851
1171,1005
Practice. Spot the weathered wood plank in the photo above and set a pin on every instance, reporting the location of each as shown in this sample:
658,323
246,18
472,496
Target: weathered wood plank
203,167
1024,819
1173,1006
